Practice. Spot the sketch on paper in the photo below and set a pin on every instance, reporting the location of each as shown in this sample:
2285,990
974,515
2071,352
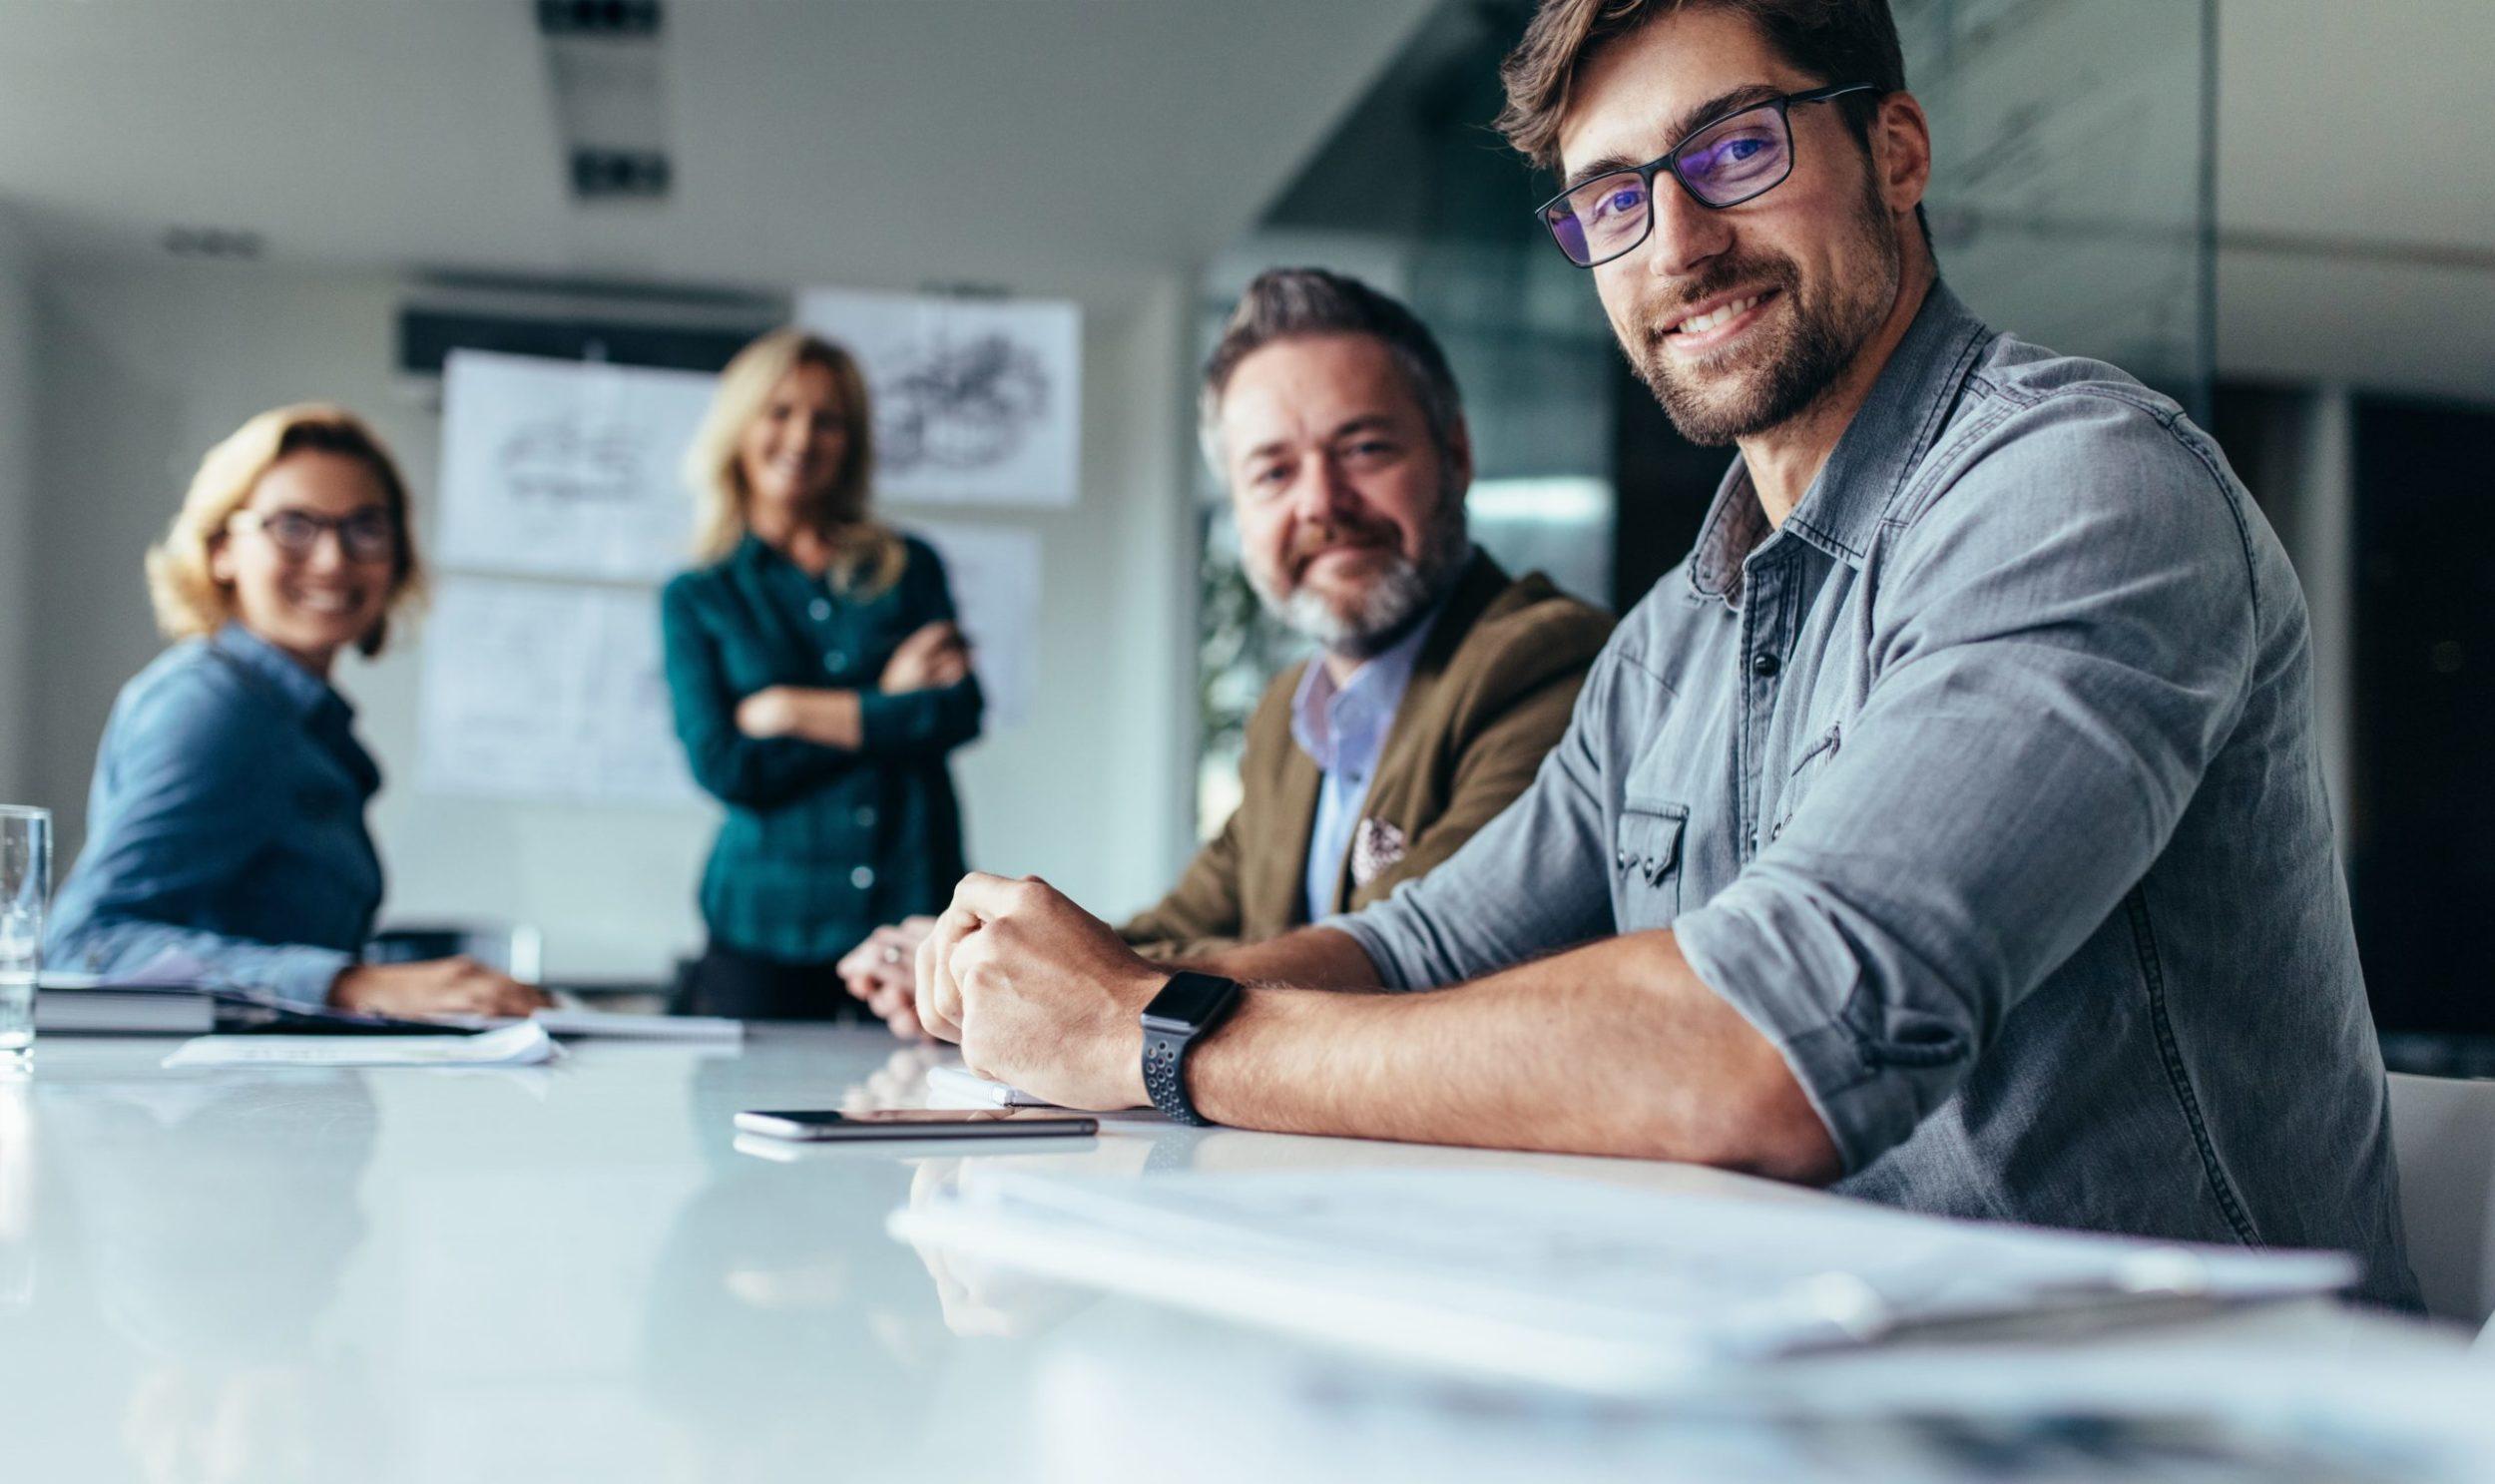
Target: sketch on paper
964,406
547,690
976,400
2066,192
994,574
560,463
557,468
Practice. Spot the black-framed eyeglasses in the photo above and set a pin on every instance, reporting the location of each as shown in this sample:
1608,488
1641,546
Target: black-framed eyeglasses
1731,157
365,536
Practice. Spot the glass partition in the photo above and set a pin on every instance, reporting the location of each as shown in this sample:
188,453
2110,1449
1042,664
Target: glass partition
2070,205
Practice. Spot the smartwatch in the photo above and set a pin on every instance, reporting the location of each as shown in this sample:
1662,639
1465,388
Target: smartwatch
1187,1008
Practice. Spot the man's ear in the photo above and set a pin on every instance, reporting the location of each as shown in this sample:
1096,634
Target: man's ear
1901,139
219,560
1459,455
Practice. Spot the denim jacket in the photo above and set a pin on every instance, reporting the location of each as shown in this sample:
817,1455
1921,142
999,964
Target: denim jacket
1986,788
225,826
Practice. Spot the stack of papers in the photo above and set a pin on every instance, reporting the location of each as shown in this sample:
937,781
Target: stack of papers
524,1044
82,1004
1567,1281
575,1020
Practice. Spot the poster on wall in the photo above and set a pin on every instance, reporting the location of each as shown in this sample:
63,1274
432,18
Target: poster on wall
558,468
977,400
994,574
547,691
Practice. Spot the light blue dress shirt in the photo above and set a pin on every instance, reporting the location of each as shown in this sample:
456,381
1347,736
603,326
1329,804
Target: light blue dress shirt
226,827
1343,729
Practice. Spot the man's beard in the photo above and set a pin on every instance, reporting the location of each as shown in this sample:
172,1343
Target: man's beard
1385,611
1788,370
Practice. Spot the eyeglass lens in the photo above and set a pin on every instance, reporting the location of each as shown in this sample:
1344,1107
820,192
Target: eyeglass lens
365,534
1726,162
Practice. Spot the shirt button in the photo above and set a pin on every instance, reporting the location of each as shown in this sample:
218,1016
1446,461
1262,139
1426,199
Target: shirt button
1765,663
866,816
820,608
862,878
833,659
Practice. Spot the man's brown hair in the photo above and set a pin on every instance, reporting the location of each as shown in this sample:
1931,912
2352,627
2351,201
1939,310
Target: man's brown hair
1835,41
1287,304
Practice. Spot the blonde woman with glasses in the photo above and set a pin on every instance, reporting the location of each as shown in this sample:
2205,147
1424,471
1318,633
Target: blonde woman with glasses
820,684
225,832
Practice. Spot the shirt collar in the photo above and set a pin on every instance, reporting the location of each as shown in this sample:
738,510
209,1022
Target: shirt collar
1320,707
298,690
1879,450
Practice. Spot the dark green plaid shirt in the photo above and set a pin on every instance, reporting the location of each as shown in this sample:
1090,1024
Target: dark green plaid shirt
821,844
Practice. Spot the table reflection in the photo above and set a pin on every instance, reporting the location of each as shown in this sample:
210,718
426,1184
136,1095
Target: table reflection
786,1267
189,1196
17,1188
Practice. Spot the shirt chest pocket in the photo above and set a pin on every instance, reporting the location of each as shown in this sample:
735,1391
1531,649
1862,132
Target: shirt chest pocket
1646,862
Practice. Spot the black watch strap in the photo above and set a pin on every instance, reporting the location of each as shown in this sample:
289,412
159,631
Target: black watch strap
1187,1009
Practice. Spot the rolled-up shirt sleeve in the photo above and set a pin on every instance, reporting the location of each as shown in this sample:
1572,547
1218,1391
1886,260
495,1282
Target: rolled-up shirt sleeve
2063,637
1533,879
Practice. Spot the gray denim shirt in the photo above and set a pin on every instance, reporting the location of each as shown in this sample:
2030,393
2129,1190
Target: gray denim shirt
1987,789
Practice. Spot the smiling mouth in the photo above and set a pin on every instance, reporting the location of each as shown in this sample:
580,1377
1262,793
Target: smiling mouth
332,604
1360,549
1722,314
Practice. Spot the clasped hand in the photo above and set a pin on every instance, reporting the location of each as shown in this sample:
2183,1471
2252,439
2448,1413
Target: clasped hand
1038,992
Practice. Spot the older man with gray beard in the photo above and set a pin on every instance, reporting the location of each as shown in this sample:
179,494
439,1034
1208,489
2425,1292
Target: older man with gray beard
1439,683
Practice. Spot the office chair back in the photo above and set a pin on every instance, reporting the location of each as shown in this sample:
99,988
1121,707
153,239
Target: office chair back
2443,1132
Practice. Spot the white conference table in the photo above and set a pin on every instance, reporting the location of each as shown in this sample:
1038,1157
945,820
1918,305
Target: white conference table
572,1273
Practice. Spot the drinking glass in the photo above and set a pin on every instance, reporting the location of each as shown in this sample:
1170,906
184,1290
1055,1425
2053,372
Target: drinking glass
25,885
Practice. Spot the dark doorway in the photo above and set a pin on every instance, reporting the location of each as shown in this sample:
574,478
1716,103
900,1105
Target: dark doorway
2421,818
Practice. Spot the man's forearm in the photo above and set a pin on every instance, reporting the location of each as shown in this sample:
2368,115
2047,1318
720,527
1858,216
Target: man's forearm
1310,957
1612,1049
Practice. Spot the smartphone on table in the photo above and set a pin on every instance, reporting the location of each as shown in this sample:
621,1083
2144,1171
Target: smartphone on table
818,1125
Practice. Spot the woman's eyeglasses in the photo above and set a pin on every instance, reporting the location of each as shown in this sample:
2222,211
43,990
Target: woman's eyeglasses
365,536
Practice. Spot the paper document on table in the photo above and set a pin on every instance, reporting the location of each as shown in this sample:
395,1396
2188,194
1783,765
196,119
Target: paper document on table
576,1020
1564,1280
523,1045
959,1087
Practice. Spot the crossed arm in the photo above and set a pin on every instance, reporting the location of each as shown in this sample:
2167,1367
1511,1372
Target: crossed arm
1614,1048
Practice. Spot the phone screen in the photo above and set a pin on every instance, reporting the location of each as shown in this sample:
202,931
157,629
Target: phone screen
915,1122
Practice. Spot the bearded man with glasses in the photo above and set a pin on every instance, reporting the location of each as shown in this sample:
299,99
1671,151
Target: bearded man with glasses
1948,828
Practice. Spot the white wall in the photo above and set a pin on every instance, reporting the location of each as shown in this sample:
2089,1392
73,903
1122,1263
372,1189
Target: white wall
17,463
143,365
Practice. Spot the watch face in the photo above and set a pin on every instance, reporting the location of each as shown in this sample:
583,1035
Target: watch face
1187,1001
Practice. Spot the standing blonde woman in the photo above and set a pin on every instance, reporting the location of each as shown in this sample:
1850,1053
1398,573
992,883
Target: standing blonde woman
225,823
818,683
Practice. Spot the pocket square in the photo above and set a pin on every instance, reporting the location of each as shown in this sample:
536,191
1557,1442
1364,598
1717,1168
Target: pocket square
1376,848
